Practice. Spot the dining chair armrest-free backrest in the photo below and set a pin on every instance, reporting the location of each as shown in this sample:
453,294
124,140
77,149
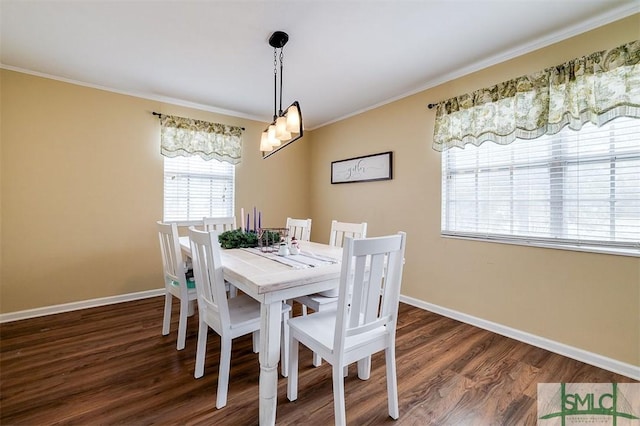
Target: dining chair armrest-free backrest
370,282
299,228
172,262
220,224
341,230
209,277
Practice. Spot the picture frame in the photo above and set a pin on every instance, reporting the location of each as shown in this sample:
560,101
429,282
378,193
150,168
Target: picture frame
366,168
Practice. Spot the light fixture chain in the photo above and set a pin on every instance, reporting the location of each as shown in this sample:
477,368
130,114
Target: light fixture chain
281,72
275,61
275,83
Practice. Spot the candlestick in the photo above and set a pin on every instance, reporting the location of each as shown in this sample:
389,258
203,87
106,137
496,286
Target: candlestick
247,228
242,219
259,220
254,219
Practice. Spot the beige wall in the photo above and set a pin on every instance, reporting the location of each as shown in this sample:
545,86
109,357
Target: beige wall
588,301
81,178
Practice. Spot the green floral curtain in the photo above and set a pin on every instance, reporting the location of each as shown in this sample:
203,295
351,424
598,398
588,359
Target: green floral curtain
186,137
596,88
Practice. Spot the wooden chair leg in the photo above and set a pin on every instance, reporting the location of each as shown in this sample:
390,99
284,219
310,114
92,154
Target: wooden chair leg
364,368
256,341
317,360
338,396
233,291
392,385
201,351
223,372
182,324
166,320
292,381
284,349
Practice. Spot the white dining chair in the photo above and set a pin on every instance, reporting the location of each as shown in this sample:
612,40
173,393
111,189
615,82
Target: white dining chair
299,228
364,322
220,224
228,317
175,280
329,299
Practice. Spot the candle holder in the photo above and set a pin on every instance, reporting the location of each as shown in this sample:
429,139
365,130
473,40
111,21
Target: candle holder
269,239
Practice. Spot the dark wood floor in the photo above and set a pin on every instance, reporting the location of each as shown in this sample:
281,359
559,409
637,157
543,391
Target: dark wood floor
111,365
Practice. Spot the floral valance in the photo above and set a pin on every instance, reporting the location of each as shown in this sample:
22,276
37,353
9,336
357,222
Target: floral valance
186,137
596,88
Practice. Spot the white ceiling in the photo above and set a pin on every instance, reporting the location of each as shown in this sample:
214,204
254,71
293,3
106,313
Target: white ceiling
343,57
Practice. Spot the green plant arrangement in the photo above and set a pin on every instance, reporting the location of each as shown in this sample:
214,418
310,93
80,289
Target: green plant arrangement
237,239
240,239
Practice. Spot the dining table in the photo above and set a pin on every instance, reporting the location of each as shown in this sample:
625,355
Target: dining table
271,279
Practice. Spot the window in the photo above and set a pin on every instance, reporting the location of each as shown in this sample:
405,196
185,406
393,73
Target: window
195,188
574,188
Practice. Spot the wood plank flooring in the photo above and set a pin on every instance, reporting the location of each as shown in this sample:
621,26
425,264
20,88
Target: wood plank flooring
111,365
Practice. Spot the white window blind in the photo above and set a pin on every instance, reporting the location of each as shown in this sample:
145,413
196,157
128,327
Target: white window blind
572,188
195,188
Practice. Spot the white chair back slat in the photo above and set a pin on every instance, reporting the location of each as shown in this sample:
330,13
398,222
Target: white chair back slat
357,290
374,294
391,288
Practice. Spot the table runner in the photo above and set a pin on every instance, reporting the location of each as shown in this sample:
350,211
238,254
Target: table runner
297,261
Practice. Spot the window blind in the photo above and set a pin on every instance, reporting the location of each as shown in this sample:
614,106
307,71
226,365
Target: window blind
195,188
571,188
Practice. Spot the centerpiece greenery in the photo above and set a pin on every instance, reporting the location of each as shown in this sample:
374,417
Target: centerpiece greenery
241,239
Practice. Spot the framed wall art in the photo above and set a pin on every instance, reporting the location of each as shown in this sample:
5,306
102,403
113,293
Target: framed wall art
363,169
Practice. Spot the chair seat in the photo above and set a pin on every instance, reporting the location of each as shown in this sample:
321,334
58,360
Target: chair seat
244,310
318,302
330,293
320,328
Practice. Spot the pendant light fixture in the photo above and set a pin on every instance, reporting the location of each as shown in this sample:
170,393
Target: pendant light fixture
286,126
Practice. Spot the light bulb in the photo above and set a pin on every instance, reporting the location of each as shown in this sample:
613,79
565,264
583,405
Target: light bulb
264,142
281,129
293,119
271,134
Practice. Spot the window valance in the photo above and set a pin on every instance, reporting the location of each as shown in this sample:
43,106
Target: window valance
596,88
181,136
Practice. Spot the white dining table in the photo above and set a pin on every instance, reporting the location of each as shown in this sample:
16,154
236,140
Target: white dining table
271,282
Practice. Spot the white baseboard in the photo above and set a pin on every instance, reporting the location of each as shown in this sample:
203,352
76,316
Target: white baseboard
74,306
629,370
